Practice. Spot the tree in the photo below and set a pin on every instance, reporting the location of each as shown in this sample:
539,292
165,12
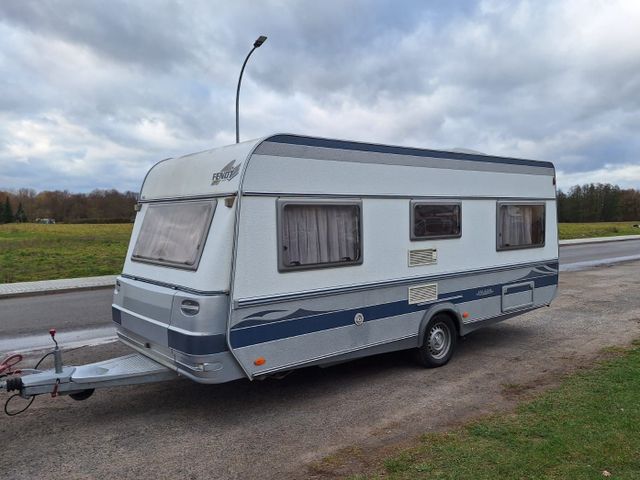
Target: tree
7,212
20,217
563,207
611,203
598,203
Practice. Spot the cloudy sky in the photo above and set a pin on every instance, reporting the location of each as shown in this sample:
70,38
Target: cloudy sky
92,93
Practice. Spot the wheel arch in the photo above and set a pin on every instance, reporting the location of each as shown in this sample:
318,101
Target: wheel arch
446,308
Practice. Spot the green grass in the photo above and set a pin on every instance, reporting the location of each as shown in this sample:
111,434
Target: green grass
589,425
602,229
44,252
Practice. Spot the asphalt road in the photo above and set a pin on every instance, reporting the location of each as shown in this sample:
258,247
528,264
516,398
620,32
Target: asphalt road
89,310
593,252
355,413
64,311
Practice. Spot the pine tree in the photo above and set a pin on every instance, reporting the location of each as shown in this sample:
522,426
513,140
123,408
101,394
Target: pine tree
7,212
20,217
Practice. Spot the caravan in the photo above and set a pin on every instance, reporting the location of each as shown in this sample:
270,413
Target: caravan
289,251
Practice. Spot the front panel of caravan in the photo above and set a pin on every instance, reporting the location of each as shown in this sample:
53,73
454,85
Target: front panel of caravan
172,299
283,319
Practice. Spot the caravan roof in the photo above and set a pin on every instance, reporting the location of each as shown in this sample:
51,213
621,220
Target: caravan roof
294,164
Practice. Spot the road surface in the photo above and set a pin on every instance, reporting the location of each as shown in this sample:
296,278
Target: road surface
587,254
26,315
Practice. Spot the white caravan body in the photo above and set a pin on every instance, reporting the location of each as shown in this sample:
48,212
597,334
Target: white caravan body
289,251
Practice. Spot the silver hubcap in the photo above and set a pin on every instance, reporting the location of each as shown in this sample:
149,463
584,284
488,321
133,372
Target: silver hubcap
439,341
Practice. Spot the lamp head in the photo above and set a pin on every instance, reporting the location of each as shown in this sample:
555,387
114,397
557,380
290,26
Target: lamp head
261,39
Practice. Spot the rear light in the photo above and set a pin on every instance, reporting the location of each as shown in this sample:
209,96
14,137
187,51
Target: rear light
189,307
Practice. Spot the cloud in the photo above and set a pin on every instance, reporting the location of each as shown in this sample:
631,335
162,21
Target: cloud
95,92
626,176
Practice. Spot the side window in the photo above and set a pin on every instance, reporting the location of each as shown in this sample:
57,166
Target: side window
520,226
319,234
435,220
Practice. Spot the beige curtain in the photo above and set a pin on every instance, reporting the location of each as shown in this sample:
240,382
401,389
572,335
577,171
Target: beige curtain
517,224
316,234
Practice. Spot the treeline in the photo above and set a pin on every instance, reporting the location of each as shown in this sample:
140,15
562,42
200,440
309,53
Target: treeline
598,202
99,206
583,203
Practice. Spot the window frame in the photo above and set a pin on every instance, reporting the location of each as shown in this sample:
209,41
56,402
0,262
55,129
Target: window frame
415,203
203,239
282,203
531,203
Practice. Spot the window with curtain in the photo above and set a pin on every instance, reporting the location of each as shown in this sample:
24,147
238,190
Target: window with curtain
319,235
173,234
435,220
520,226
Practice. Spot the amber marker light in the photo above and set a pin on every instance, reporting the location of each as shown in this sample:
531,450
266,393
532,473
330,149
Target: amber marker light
259,361
465,315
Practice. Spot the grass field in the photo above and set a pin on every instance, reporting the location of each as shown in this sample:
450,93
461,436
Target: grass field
44,252
589,428
602,229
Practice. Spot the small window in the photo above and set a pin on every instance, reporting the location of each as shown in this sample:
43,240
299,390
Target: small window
314,235
435,220
520,226
173,234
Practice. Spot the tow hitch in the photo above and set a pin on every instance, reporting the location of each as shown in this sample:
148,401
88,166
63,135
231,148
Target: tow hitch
79,382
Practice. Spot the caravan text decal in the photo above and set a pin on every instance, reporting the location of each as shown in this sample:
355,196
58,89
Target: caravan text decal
227,173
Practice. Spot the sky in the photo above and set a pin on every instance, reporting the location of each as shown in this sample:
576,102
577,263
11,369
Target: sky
93,93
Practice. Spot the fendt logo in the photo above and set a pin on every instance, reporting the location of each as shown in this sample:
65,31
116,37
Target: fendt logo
227,173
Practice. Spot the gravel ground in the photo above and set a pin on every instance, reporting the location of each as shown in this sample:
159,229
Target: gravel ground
318,423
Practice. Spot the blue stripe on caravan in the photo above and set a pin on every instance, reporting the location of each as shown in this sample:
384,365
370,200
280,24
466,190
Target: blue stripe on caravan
197,344
464,296
519,288
416,152
276,330
116,315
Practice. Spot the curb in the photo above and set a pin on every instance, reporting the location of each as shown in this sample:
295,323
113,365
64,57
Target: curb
40,293
46,287
586,241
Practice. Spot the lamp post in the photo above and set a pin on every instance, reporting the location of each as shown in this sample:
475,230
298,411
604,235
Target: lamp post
261,39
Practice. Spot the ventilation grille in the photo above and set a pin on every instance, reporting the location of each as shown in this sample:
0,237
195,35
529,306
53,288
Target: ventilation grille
427,256
423,293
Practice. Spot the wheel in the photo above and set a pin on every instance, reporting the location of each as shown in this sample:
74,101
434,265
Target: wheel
439,342
82,394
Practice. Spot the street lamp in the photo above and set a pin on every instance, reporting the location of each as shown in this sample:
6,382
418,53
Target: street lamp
261,39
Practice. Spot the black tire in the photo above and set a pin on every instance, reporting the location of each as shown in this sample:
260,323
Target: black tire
439,342
82,394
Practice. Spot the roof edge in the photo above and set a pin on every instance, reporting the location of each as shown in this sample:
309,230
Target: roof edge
322,142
